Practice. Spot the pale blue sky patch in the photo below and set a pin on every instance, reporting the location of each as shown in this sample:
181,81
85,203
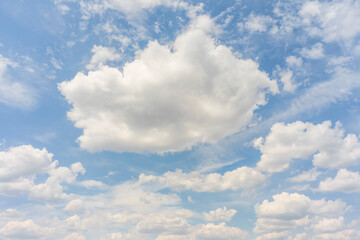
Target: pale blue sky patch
179,119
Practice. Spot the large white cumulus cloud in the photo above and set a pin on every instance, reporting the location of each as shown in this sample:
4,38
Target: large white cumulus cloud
168,99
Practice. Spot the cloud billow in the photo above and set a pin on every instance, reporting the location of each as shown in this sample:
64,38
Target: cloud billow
170,98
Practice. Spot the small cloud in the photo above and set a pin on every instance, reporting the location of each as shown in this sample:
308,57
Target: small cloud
293,61
315,52
45,137
102,55
257,23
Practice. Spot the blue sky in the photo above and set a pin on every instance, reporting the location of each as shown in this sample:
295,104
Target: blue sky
171,119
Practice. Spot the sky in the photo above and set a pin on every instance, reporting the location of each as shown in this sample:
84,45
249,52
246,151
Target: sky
179,119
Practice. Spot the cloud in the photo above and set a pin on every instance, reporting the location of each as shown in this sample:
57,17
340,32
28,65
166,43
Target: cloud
315,52
20,166
274,235
328,146
24,161
244,178
340,86
209,231
345,181
329,224
114,236
102,55
257,23
306,176
170,98
287,79
74,236
92,184
293,61
220,215
13,93
158,223
347,234
290,211
333,21
74,206
131,8
24,230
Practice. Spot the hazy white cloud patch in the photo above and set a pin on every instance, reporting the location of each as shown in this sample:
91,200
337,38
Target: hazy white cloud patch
293,61
328,146
257,23
287,80
315,52
244,178
170,98
345,181
209,231
74,236
306,176
345,234
341,85
337,20
14,93
133,9
274,235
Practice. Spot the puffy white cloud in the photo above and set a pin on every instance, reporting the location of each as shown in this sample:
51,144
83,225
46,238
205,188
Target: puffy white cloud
337,20
218,232
24,230
299,140
287,79
220,215
274,235
13,93
329,224
168,99
24,161
315,52
157,223
102,55
20,166
74,236
306,176
293,211
293,61
257,23
344,181
208,231
244,178
75,205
